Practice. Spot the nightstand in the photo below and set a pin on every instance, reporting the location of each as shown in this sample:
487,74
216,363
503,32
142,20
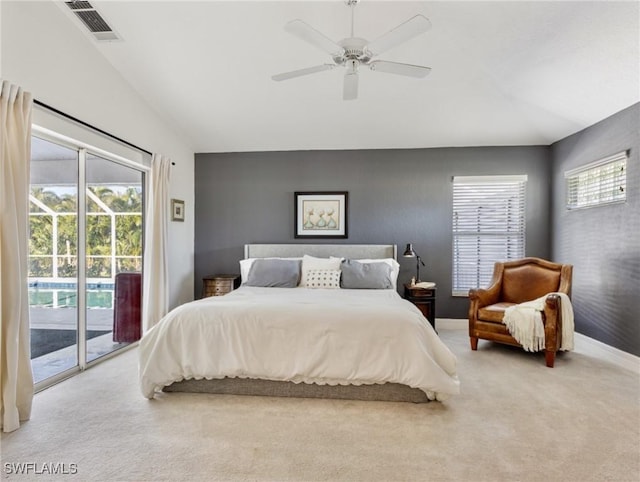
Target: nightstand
424,299
219,284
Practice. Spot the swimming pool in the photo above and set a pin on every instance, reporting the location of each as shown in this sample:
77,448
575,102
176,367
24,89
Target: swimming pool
64,295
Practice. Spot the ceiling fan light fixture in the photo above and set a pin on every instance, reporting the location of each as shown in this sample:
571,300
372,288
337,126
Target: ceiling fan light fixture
350,90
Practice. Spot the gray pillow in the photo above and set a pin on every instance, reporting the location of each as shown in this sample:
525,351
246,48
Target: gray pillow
274,273
356,275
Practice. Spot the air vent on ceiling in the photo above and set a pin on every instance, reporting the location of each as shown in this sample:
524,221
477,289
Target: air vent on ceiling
91,19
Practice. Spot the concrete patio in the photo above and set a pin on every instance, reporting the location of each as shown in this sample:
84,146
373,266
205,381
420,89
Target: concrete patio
55,362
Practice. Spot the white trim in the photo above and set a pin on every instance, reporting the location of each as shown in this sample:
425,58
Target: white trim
624,155
584,345
39,131
490,178
607,352
81,252
460,294
451,324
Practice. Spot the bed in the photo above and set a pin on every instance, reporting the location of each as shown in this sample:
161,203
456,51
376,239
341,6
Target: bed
307,338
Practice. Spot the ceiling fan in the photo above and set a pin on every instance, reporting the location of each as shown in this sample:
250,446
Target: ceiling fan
354,52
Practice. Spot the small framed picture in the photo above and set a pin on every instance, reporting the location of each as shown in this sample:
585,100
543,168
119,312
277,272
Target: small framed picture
177,210
321,214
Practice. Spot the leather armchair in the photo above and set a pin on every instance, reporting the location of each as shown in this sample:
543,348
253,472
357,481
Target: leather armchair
515,282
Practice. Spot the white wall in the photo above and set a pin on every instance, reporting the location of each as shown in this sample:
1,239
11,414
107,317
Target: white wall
45,53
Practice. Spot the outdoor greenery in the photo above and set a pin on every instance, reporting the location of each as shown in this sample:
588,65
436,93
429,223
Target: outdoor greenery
126,204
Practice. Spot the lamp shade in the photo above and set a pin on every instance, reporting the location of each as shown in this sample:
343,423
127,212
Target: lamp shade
409,252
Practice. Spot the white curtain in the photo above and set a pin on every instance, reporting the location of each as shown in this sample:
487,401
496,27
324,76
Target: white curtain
155,297
16,378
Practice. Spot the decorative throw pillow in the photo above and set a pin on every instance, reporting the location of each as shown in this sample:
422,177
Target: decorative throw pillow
274,273
358,275
312,263
323,278
245,266
395,267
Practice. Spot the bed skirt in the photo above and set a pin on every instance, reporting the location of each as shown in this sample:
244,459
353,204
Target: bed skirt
388,392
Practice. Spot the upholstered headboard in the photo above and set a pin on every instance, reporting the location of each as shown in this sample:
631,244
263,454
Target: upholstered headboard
353,251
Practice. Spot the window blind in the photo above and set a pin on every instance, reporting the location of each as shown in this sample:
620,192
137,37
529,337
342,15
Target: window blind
597,183
488,226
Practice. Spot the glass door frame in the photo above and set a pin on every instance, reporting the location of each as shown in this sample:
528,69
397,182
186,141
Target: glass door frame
84,150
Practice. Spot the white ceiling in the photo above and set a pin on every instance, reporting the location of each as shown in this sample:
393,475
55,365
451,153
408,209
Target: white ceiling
504,73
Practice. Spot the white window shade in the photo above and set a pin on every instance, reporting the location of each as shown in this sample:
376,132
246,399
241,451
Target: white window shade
488,226
601,182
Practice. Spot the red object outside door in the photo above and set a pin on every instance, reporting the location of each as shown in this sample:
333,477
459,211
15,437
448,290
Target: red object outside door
127,318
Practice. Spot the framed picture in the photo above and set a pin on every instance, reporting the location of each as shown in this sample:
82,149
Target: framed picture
177,210
321,214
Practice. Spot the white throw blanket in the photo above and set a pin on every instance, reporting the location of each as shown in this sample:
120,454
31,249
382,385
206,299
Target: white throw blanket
524,322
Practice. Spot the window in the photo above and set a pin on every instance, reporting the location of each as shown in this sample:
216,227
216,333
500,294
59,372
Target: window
601,182
488,226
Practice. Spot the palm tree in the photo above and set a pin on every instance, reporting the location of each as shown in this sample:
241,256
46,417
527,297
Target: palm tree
98,231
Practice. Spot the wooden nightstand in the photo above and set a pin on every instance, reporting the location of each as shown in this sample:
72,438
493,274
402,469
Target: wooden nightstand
219,284
424,299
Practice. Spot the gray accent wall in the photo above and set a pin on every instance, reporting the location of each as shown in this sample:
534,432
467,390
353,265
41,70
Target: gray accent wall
395,196
602,243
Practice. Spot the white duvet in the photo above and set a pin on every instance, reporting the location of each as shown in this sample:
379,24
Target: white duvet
301,335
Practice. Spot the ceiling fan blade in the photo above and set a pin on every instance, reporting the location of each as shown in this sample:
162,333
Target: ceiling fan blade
399,68
403,32
350,86
301,72
309,34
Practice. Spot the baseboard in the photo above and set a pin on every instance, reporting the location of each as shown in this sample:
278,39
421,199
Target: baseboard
607,352
583,343
451,324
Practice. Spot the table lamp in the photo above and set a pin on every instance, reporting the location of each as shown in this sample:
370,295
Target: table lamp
410,253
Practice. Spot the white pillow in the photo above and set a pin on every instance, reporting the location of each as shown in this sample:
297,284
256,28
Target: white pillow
395,267
245,267
311,263
323,278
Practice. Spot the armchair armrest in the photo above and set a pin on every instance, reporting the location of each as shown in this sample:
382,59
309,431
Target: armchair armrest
479,298
482,297
552,322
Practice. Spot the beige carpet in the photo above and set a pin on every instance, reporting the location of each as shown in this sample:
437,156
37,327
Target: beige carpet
515,420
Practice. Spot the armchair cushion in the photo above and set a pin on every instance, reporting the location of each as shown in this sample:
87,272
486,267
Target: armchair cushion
494,312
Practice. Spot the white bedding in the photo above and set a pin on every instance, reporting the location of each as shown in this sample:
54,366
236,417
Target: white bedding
306,335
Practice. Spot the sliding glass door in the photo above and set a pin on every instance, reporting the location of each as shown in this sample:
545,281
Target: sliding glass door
86,234
114,201
53,258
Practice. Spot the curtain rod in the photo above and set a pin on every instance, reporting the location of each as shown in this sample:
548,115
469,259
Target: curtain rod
75,119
